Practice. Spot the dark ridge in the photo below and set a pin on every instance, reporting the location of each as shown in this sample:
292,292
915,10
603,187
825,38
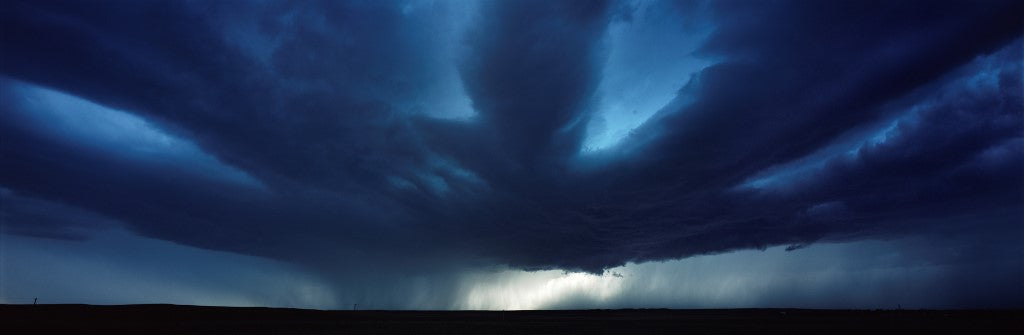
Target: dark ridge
177,319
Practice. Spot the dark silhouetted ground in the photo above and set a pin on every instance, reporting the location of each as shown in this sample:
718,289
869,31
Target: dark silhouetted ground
172,319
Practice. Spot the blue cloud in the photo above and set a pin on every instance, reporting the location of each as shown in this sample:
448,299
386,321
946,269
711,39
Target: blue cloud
73,121
430,137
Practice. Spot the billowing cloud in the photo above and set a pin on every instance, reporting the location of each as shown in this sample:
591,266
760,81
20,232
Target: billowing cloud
407,137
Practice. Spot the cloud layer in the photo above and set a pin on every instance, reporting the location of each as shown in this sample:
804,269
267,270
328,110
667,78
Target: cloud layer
433,136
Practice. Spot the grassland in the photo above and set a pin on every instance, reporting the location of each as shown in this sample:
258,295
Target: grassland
173,319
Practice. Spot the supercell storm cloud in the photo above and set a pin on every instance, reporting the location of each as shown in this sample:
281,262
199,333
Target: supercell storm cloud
413,137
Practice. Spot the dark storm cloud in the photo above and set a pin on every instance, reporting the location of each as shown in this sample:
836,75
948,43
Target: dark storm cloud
794,78
41,218
286,132
324,110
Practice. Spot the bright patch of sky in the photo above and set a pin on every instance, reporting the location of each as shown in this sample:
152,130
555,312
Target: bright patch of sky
884,272
650,57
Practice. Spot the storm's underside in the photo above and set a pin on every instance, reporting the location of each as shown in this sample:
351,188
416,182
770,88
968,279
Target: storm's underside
423,154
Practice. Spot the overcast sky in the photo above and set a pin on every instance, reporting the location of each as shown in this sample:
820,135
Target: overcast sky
513,154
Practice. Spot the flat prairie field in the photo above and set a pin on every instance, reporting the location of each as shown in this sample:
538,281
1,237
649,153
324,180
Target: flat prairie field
177,319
